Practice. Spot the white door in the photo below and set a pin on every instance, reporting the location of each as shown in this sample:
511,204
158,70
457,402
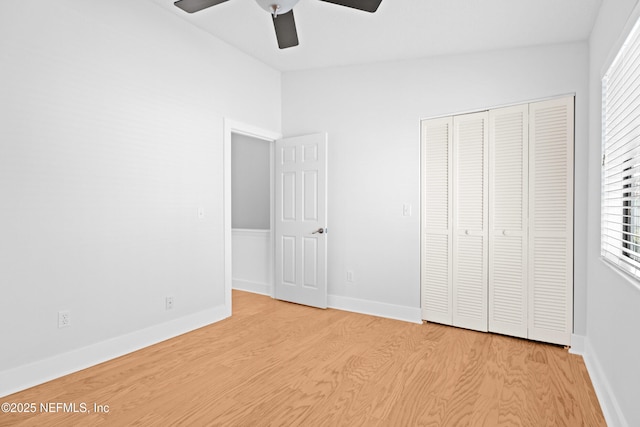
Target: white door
470,220
436,241
551,220
301,220
508,212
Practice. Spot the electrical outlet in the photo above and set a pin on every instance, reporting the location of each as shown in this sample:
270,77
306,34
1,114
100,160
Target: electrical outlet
350,276
64,319
406,209
168,303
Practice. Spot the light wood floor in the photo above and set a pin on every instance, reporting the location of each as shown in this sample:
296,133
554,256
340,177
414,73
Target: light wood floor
275,363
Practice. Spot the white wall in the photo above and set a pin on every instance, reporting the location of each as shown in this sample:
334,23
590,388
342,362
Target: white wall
111,138
613,309
252,263
372,114
250,182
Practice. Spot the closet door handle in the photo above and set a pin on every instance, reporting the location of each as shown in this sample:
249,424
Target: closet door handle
505,233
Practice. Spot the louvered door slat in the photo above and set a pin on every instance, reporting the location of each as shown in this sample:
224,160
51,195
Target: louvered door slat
508,157
551,221
470,221
436,246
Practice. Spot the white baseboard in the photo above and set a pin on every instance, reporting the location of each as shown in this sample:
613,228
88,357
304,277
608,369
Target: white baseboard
32,374
577,344
374,308
611,410
254,287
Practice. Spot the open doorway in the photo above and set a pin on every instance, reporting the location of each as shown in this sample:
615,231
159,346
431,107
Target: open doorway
250,236
297,189
251,211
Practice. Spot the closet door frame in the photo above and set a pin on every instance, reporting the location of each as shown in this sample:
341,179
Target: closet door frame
552,322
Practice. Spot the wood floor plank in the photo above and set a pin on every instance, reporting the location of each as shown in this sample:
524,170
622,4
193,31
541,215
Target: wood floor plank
463,402
589,405
276,363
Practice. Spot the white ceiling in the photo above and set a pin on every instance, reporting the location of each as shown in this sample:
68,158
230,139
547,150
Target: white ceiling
332,35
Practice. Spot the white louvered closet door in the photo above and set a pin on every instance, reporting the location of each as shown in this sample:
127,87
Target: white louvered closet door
508,197
470,220
551,220
437,142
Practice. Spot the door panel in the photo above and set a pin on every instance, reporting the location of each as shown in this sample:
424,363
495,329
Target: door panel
436,279
289,260
508,201
470,223
310,257
288,210
310,194
301,210
551,220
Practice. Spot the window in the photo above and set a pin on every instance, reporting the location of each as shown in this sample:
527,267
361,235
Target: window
620,243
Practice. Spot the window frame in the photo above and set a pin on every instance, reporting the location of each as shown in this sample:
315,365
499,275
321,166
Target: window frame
620,173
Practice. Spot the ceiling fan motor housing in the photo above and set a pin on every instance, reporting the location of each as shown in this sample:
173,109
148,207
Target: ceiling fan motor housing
277,7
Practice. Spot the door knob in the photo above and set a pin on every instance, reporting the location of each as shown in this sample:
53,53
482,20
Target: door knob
319,231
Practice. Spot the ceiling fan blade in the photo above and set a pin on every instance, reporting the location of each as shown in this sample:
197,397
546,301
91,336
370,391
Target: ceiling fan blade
196,5
286,32
366,5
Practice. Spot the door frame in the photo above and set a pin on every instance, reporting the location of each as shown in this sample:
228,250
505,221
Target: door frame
236,127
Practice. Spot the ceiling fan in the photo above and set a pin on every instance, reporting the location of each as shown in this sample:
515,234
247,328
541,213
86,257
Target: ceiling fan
282,14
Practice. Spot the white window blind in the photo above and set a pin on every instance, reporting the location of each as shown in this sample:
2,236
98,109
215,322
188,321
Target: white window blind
620,215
